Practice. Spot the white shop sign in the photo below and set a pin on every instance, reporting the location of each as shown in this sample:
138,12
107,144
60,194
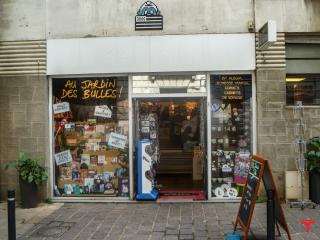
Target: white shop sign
61,107
142,54
117,140
102,111
63,157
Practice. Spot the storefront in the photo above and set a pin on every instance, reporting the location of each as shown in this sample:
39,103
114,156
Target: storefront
192,96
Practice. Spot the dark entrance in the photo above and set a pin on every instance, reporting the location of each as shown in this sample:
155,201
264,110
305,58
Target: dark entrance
181,170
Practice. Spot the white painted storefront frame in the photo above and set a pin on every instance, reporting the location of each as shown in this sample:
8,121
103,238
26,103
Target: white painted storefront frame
173,55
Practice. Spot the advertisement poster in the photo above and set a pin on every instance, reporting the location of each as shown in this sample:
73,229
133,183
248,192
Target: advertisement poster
61,107
117,140
63,157
102,111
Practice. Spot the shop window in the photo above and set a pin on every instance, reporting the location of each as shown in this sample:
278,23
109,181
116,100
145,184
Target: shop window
303,73
162,84
231,133
90,121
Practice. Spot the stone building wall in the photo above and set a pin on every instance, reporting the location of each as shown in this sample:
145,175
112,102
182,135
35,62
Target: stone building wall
275,124
23,124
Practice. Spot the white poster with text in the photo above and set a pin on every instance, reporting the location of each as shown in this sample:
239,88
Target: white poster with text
102,111
61,107
63,157
117,140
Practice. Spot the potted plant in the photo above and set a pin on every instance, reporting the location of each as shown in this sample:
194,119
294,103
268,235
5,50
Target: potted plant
313,164
31,174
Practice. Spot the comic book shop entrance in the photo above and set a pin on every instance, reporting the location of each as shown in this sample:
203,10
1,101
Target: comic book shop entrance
176,128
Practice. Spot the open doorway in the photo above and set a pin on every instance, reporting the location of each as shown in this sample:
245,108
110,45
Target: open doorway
181,143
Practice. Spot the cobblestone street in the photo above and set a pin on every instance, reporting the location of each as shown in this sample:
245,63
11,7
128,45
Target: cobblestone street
175,221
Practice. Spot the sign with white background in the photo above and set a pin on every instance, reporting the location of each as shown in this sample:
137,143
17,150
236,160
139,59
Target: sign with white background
61,107
117,140
102,111
63,157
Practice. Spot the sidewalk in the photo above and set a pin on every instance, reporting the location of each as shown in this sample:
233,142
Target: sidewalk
25,218
139,221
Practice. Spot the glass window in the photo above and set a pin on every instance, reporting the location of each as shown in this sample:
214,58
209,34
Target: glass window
90,117
163,84
231,133
303,87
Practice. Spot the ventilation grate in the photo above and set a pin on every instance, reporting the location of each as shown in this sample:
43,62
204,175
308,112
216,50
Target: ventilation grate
23,57
274,57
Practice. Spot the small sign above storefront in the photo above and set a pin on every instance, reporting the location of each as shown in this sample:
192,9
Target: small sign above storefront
267,35
148,17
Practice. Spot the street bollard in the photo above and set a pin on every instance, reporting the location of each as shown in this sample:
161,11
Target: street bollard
11,215
270,216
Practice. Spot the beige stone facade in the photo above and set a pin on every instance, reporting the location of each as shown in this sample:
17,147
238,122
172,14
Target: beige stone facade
24,124
275,123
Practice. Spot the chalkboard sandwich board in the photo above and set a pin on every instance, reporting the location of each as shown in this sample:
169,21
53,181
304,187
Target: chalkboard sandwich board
259,170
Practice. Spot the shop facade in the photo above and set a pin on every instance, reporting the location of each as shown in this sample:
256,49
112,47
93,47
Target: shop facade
91,55
98,112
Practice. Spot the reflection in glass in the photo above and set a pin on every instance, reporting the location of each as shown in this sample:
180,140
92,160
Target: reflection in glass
231,135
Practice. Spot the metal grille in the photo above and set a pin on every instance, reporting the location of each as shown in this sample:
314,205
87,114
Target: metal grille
23,57
274,57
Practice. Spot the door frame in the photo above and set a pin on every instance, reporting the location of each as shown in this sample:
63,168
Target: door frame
200,96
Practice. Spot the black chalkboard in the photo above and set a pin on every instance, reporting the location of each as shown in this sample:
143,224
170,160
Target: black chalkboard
250,191
259,170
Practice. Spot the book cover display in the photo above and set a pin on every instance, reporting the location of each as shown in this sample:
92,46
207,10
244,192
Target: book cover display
231,134
91,136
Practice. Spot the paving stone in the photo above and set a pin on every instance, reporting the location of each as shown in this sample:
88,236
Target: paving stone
185,236
171,237
186,231
172,232
201,233
161,221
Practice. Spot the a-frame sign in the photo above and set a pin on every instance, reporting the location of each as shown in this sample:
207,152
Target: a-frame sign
259,170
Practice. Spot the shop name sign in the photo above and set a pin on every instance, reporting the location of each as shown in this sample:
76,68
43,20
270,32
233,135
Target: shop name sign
95,91
231,87
148,17
267,35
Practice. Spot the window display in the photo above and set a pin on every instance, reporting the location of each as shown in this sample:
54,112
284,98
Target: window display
231,145
90,117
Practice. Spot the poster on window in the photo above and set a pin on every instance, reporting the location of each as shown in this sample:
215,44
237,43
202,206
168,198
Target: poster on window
102,111
61,107
117,140
63,157
241,168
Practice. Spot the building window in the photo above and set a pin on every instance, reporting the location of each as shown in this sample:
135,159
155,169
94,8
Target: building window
303,87
90,117
303,73
231,133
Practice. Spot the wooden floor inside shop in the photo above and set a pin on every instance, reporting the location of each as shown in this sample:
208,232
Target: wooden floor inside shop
178,182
